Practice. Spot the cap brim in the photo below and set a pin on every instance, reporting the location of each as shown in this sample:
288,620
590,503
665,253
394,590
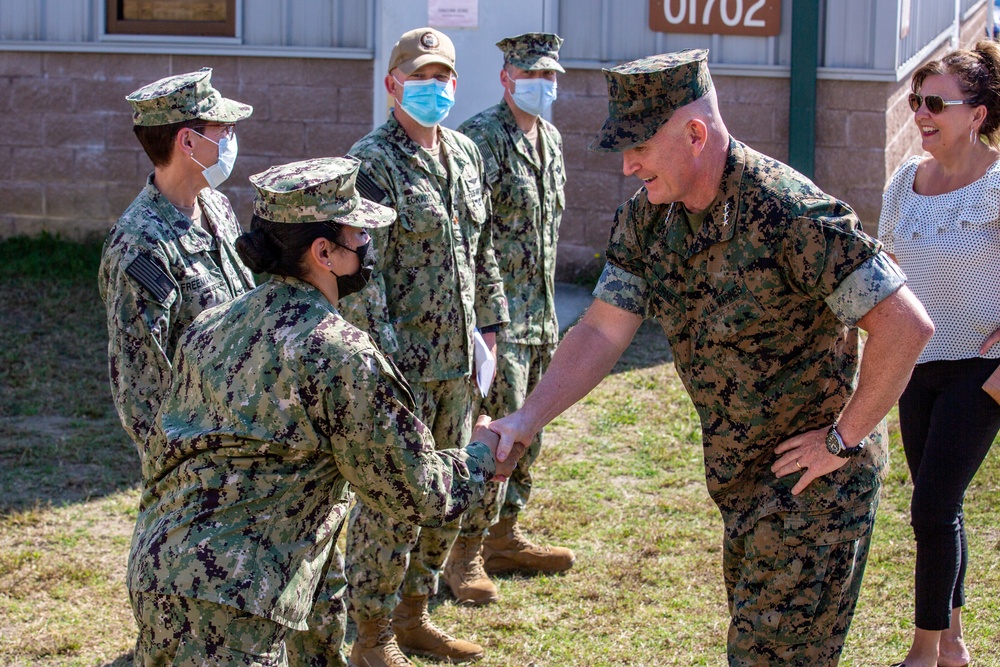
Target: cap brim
228,111
543,63
368,215
619,135
412,66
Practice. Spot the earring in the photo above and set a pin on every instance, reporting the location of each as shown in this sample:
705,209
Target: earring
972,135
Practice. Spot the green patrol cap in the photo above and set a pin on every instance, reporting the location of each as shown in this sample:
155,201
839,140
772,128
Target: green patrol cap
419,47
532,51
643,95
317,190
175,99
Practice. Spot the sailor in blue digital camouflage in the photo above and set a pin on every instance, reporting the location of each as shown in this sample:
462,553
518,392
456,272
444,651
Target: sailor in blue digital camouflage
435,281
170,255
526,176
761,282
277,404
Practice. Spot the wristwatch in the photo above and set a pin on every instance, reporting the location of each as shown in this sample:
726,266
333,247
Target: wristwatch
835,445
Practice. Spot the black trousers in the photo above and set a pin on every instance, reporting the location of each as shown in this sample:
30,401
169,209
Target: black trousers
948,424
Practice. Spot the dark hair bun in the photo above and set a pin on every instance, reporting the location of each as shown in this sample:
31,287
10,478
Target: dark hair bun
258,251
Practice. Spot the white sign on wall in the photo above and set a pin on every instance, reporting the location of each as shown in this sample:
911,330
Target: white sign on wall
453,13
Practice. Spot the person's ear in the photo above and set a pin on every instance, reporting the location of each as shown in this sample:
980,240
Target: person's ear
321,253
697,135
185,140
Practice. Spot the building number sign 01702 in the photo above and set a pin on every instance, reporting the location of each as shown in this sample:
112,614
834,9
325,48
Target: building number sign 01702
760,18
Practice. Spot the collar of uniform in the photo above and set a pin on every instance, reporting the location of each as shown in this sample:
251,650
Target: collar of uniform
721,216
520,140
417,154
309,290
191,237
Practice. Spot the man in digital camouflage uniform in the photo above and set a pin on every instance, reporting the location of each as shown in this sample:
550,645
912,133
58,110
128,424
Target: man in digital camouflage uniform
277,404
525,173
761,283
170,255
435,280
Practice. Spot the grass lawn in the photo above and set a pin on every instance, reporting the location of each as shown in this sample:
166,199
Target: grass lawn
620,481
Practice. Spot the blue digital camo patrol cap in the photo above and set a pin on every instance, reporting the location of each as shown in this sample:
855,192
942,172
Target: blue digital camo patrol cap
317,190
643,95
532,51
182,97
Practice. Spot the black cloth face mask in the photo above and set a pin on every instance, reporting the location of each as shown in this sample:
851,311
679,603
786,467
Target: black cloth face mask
355,282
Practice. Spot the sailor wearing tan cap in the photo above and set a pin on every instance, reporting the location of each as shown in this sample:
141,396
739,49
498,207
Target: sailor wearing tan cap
435,281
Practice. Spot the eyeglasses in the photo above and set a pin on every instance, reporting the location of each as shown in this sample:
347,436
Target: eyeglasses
228,129
935,104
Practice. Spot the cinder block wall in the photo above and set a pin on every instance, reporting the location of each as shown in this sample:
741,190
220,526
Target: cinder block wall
70,164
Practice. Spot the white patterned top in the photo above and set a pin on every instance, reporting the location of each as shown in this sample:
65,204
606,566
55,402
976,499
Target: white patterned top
949,247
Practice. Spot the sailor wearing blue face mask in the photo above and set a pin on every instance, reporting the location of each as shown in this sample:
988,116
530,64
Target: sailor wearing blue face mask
435,281
526,177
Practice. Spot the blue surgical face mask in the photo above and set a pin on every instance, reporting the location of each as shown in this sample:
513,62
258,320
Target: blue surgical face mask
428,101
534,96
220,171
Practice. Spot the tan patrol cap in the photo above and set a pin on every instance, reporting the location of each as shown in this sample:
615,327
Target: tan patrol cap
420,47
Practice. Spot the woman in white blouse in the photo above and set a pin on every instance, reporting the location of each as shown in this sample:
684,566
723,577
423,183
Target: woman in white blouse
941,222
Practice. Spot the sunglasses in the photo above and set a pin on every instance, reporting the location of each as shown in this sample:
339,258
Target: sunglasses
935,104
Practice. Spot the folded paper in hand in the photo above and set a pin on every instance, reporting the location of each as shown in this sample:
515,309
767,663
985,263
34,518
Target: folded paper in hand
486,365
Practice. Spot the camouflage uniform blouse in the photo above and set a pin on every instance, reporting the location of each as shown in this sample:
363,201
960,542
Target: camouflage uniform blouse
526,190
436,275
760,307
157,273
277,403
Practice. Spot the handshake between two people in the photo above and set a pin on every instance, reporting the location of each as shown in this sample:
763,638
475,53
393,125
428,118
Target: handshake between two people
506,450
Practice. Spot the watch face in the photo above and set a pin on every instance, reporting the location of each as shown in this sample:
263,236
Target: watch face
832,443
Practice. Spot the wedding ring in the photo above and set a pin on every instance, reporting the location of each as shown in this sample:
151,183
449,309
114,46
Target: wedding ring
798,465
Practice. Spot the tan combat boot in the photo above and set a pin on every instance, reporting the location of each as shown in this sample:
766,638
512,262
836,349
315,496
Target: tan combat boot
416,634
376,646
465,575
507,550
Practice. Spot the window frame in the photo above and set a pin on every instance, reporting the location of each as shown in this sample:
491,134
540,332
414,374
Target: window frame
115,26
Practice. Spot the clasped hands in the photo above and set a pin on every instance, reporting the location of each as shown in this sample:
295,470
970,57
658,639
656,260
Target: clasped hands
506,456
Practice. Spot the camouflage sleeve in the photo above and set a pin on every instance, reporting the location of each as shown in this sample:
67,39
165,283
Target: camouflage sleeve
864,288
487,150
621,283
367,309
491,302
138,330
388,455
821,246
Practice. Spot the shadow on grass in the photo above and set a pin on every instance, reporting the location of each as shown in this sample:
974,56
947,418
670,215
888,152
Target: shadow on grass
124,660
60,439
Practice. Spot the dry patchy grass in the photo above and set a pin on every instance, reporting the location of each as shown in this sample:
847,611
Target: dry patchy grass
620,481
